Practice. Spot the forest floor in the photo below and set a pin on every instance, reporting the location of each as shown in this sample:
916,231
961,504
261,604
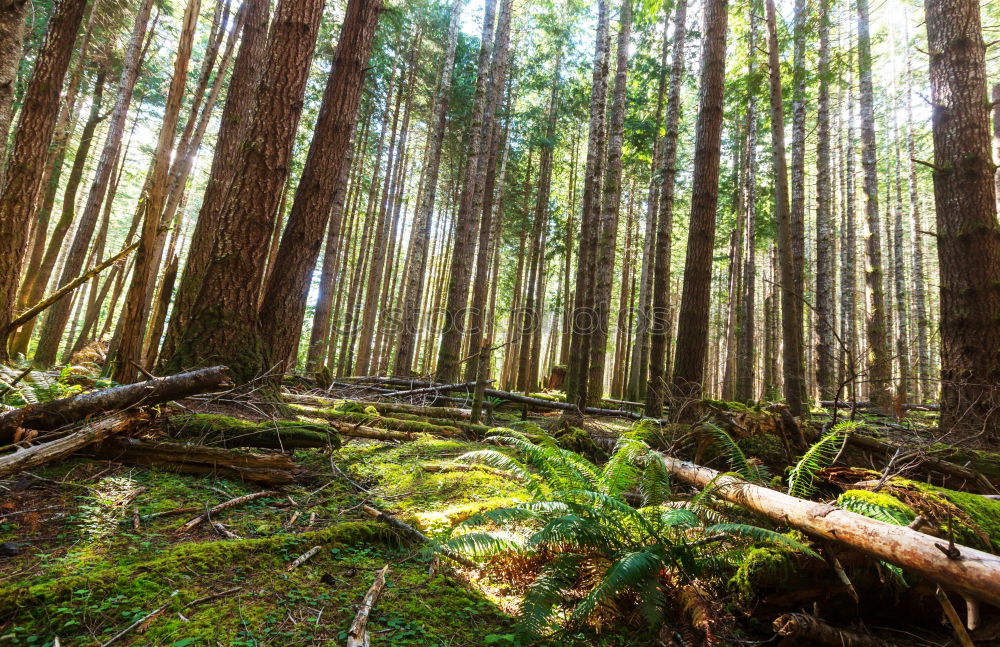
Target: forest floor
93,548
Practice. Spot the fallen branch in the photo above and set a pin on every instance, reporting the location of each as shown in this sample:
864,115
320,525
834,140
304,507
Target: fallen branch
57,413
976,574
94,432
842,404
225,505
357,635
413,533
438,388
141,621
303,558
812,629
265,469
930,462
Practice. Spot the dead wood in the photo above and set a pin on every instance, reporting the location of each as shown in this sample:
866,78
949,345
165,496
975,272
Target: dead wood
396,424
357,635
976,573
303,558
94,432
225,505
971,476
841,404
413,533
383,407
57,413
810,628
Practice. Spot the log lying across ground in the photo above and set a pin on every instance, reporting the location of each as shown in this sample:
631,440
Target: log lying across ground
977,479
817,632
264,469
230,432
382,407
55,414
90,433
447,429
864,404
975,574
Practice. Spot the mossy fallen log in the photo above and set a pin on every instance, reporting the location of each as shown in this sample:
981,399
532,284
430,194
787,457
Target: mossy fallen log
376,421
451,413
230,432
264,469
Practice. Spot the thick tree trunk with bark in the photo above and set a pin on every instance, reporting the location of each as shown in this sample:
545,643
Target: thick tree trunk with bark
660,311
58,317
25,173
224,322
11,41
284,300
879,363
692,327
968,235
607,239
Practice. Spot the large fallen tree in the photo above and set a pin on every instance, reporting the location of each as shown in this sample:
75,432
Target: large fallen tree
57,413
966,570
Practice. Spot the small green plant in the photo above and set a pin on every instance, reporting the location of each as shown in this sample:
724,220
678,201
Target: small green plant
801,478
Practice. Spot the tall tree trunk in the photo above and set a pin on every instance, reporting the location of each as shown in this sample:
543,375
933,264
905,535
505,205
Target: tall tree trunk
224,324
29,154
916,224
745,327
661,320
448,363
284,301
33,287
240,98
577,371
899,277
126,347
879,362
967,229
797,204
610,207
692,325
58,316
11,42
825,273
848,271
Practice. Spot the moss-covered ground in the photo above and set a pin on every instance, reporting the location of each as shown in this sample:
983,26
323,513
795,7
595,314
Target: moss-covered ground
82,572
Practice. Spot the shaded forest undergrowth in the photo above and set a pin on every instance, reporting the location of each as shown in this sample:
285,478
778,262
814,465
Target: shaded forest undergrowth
536,531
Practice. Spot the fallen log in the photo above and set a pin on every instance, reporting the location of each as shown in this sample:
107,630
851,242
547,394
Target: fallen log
382,407
264,469
357,635
841,404
341,420
930,462
438,388
815,631
94,432
229,432
55,414
975,574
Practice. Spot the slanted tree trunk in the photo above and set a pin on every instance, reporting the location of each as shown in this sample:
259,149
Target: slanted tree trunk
126,348
26,171
607,238
968,235
284,300
692,326
660,320
793,367
240,98
224,321
58,317
825,273
467,219
879,362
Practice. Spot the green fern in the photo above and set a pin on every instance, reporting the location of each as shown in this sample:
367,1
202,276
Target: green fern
801,478
737,459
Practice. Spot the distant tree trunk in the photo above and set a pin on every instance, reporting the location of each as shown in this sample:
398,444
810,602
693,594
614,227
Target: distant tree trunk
33,287
529,308
285,296
967,231
661,320
126,348
745,325
224,324
58,316
567,323
478,314
512,354
577,371
797,205
916,224
607,239
26,169
825,242
414,280
11,41
467,219
233,124
692,326
899,277
879,362
848,272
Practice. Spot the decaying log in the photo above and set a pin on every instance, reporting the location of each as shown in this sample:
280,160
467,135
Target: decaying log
94,432
454,413
815,631
841,404
55,414
225,505
396,424
438,388
413,533
357,635
229,432
930,462
976,573
263,469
